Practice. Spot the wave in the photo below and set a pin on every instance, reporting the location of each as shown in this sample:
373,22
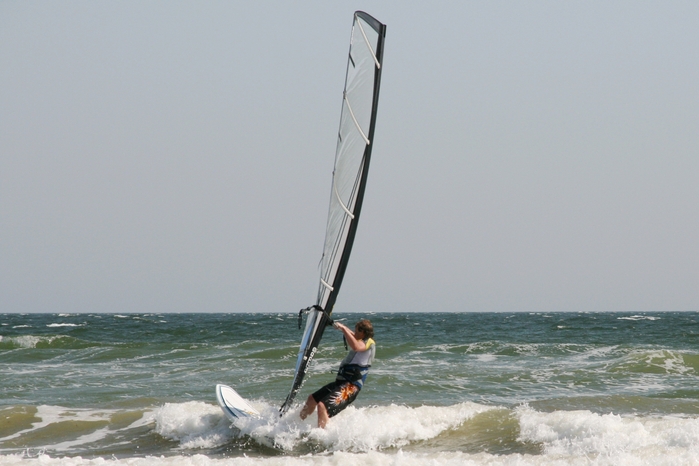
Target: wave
611,438
393,427
44,341
656,361
59,429
400,458
500,348
193,424
464,433
638,317
199,425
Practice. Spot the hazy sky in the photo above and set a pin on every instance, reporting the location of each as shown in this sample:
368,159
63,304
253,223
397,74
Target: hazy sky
177,156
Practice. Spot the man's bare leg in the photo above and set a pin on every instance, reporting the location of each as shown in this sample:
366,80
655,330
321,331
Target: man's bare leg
322,415
309,407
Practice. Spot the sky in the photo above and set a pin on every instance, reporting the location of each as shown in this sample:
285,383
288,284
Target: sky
177,156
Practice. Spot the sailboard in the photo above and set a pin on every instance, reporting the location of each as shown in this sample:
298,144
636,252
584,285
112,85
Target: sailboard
352,156
233,405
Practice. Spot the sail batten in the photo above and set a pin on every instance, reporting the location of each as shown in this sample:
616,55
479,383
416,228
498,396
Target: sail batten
366,41
325,284
352,156
356,123
339,199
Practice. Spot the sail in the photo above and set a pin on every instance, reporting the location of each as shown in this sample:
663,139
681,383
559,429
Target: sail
354,143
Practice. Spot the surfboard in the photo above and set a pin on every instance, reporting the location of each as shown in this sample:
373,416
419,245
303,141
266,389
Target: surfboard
233,405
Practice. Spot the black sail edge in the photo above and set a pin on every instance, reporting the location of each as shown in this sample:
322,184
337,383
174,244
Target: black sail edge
319,318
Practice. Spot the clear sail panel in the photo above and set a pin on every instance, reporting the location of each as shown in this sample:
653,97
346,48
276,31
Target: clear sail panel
352,141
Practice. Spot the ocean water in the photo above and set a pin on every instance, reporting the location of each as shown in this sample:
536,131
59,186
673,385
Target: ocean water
471,388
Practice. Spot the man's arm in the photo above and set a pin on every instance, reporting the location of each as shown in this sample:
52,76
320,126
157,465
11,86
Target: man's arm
356,345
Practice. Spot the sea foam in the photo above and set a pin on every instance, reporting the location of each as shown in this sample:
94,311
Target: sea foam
200,425
193,424
611,438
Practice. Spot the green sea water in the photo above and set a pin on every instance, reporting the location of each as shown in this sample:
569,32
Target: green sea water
484,388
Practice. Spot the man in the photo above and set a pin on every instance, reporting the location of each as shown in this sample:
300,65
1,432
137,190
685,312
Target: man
337,395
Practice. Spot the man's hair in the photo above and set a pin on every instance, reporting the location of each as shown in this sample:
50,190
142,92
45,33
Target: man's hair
365,327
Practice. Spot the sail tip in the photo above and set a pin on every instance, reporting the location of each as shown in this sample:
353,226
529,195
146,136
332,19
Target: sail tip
373,22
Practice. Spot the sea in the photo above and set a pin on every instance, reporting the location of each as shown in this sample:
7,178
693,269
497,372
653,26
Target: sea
522,388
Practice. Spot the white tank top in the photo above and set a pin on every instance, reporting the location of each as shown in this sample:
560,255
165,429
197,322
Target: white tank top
361,358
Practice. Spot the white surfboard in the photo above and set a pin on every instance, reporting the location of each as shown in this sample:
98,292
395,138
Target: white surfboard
233,405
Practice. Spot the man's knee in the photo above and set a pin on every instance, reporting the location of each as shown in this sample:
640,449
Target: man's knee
309,407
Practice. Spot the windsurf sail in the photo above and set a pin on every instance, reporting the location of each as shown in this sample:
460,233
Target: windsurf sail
354,143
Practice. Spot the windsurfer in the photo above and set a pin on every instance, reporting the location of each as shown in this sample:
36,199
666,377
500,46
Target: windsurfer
337,395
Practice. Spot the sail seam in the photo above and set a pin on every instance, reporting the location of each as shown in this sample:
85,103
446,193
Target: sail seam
368,44
356,123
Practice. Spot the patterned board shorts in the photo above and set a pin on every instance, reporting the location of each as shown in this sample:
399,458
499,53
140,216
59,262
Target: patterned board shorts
336,396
